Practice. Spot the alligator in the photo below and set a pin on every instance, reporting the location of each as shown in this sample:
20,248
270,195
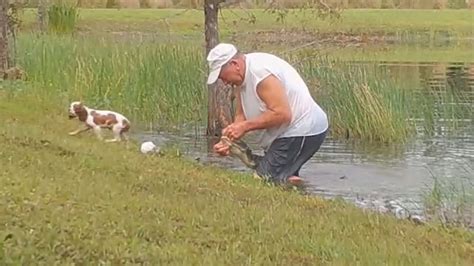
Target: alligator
242,151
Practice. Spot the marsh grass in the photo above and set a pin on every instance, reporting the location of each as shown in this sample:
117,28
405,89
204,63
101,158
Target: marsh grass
451,203
148,82
62,17
68,200
163,84
368,101
443,108
362,102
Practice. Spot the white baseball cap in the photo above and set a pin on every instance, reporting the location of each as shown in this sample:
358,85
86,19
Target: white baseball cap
217,57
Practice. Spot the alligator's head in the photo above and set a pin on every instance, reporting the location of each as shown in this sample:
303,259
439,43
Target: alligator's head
241,150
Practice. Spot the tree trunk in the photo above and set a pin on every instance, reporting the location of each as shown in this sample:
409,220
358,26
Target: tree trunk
42,15
219,110
3,36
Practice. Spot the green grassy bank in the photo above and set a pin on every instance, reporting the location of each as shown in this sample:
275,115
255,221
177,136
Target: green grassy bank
75,200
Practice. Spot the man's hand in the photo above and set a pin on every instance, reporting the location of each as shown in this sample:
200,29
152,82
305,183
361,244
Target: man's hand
235,130
222,148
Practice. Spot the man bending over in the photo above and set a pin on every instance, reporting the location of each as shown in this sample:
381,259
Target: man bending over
272,99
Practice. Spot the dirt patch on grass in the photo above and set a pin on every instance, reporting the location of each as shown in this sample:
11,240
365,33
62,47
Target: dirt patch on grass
296,38
35,144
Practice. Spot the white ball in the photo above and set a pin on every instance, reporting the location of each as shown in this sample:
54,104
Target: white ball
147,147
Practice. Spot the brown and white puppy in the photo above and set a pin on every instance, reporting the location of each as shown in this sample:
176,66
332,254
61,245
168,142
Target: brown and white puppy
98,119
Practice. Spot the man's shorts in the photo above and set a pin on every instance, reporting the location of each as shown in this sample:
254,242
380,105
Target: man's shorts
285,156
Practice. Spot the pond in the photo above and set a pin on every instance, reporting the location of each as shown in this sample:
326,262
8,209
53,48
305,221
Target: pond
375,176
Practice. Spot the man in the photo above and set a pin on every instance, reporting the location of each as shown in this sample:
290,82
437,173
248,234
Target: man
271,98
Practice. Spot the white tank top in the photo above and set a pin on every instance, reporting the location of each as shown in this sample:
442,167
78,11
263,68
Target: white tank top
307,116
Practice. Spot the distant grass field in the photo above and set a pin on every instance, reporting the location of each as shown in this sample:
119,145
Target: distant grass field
153,76
182,21
163,84
421,35
74,200
405,53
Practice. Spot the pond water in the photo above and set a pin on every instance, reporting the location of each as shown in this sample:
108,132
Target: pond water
379,177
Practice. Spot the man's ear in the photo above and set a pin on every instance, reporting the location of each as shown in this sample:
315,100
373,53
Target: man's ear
233,62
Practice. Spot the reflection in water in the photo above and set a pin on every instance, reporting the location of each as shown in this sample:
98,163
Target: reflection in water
376,176
353,171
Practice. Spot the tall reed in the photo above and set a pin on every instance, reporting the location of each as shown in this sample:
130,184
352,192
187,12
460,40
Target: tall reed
62,17
450,202
443,105
150,82
164,83
362,102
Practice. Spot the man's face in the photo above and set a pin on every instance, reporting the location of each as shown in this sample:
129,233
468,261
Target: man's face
230,73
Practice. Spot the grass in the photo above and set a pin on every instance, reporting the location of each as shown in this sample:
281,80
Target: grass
419,4
385,104
444,109
451,203
455,23
163,84
74,200
62,18
361,103
148,82
405,53
153,78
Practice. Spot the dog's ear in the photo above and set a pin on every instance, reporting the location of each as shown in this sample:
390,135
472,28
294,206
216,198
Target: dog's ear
78,106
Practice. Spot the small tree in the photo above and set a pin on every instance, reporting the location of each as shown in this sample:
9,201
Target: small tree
3,36
42,13
13,22
219,113
220,97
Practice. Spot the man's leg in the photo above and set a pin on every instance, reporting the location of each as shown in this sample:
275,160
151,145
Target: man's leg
310,147
286,156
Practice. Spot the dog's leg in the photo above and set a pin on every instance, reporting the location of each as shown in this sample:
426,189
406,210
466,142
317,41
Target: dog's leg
116,129
124,136
98,132
123,133
80,130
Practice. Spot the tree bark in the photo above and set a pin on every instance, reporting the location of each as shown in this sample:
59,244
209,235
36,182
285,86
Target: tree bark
3,36
42,7
219,112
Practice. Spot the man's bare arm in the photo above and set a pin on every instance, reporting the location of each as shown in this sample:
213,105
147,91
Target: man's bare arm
239,113
272,93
